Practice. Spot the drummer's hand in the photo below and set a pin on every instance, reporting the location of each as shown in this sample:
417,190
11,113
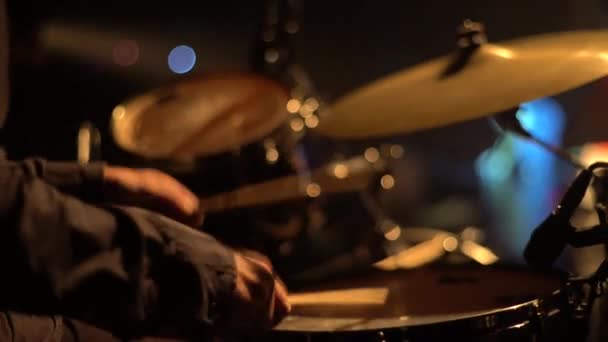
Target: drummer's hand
255,255
153,190
259,300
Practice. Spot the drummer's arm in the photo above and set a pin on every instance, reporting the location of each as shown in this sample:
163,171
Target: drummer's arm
84,181
120,268
99,182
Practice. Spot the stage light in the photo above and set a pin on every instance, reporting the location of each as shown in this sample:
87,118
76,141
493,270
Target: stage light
520,179
182,59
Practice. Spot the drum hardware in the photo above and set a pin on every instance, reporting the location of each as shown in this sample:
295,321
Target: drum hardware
583,291
273,51
550,238
470,37
408,248
508,121
478,80
427,246
88,143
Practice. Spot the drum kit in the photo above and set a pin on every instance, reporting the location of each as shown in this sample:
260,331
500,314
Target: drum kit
246,137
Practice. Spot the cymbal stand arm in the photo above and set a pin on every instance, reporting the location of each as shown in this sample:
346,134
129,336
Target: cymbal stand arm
508,122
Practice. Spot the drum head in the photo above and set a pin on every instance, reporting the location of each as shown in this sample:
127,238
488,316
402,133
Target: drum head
411,298
200,117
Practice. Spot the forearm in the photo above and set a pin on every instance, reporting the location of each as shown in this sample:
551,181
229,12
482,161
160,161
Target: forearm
119,268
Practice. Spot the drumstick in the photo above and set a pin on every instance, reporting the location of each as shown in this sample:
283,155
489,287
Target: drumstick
354,175
415,256
358,296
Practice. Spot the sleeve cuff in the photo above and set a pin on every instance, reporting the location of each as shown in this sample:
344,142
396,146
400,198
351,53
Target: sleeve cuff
214,264
195,272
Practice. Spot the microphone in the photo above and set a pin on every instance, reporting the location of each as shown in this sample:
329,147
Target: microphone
550,237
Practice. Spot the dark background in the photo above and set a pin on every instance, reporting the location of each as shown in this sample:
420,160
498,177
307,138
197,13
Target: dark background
342,44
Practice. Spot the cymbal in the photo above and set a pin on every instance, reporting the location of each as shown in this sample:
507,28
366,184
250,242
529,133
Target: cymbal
200,116
494,78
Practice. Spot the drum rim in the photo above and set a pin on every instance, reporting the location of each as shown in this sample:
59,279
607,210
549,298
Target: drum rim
480,321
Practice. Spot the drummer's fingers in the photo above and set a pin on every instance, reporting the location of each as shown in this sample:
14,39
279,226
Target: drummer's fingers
258,257
281,293
269,306
274,309
281,304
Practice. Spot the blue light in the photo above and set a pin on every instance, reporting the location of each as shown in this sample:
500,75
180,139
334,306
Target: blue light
496,165
519,178
182,59
544,119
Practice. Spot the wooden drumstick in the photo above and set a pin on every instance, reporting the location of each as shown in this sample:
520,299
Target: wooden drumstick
349,176
357,296
417,255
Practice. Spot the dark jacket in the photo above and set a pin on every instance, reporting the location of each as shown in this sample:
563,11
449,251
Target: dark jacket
64,253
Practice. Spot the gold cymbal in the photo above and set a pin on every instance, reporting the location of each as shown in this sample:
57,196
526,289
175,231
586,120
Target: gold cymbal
495,78
200,116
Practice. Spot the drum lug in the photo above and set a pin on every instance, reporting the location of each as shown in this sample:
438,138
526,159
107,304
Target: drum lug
381,336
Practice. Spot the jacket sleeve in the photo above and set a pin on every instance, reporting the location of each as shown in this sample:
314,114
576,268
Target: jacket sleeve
82,181
120,268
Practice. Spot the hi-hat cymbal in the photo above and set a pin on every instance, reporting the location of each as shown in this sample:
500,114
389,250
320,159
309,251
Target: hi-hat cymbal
200,116
495,78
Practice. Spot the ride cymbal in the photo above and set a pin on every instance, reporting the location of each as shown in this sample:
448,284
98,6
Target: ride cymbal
471,83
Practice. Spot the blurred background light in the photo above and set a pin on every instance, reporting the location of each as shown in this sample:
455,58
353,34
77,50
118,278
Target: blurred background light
125,52
182,59
520,178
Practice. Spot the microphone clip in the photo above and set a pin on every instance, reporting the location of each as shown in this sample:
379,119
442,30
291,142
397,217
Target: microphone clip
583,291
551,237
591,236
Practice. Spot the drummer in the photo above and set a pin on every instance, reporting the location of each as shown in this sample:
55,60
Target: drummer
86,242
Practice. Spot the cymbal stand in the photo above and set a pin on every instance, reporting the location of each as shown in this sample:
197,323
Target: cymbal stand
88,144
273,50
507,121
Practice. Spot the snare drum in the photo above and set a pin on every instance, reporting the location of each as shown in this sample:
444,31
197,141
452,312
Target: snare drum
456,303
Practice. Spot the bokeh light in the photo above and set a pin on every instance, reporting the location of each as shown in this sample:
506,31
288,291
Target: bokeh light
182,59
125,52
